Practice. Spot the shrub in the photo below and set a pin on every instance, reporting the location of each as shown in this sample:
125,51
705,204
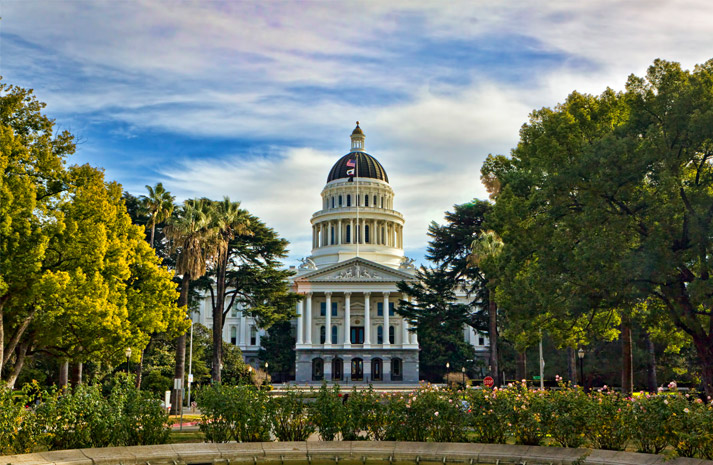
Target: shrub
487,409
567,420
365,412
290,418
607,415
239,413
328,412
651,416
691,426
528,414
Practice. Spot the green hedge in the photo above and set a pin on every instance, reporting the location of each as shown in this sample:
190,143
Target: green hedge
566,417
33,419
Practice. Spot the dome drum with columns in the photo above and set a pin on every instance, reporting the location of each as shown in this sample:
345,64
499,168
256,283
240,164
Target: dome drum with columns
347,329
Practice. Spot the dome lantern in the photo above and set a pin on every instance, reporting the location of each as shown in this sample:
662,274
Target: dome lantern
357,139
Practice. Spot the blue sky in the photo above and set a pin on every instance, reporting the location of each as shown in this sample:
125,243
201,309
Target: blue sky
256,100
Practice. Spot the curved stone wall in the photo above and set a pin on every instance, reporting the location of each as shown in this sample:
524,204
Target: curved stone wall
342,452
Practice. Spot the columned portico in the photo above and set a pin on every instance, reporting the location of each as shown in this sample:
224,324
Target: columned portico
356,264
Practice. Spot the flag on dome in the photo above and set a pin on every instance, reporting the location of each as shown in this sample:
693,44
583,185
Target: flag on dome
351,164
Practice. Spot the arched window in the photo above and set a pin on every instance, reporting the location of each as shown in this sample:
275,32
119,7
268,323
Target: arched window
337,368
357,369
366,234
334,334
349,234
349,200
377,369
382,202
332,202
340,200
392,335
317,369
366,200
322,334
396,369
332,235
379,334
375,204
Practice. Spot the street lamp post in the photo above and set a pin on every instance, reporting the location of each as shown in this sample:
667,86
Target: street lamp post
462,370
128,356
580,354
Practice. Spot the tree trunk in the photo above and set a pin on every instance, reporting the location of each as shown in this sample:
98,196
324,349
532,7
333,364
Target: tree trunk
704,347
493,333
153,230
179,373
627,368
77,374
652,382
218,320
140,369
3,299
63,374
20,355
572,365
521,366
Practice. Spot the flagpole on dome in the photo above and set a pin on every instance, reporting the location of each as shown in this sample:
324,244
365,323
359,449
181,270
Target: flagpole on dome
353,171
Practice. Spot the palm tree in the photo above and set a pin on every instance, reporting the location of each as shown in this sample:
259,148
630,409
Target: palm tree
485,249
190,234
158,205
227,221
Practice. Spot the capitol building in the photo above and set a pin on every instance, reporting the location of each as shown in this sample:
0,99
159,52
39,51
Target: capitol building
346,326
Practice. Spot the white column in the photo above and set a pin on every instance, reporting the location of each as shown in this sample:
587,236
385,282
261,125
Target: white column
308,319
243,330
367,321
328,321
386,320
300,324
373,232
361,232
351,232
339,232
347,320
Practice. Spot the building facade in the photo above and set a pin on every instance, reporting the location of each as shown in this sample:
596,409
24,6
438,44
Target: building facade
347,329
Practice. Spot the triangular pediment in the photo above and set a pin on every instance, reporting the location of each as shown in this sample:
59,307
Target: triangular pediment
356,270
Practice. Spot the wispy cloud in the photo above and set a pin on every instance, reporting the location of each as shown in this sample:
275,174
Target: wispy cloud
255,100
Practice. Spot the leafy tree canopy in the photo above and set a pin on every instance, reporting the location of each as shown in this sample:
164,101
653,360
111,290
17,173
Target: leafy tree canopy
607,202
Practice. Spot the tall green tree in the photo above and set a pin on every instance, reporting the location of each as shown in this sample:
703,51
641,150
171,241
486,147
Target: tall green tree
158,205
229,222
485,252
190,235
451,291
608,201
277,348
77,281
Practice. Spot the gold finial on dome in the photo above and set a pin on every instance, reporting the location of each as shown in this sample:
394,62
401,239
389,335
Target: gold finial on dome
357,139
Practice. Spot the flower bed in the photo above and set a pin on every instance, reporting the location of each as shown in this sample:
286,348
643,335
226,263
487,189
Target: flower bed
567,417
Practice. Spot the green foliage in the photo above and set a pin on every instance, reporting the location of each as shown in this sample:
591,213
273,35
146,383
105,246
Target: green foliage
365,412
604,205
487,409
328,412
80,417
234,413
290,417
528,415
77,279
277,348
568,417
607,414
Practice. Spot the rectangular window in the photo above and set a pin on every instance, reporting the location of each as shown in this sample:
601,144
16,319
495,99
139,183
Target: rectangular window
481,341
253,336
357,334
340,200
366,200
323,309
380,309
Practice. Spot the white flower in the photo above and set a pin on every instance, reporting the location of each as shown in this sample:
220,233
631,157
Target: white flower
686,410
436,414
672,385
